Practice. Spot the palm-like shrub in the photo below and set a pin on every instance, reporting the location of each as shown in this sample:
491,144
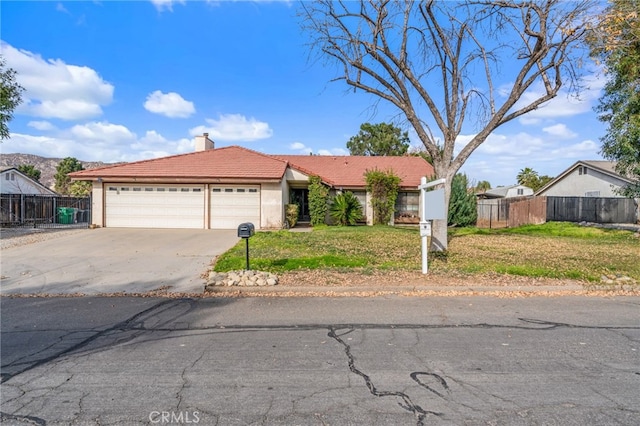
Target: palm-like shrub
346,209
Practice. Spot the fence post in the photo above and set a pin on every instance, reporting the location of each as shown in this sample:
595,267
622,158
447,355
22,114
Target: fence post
22,209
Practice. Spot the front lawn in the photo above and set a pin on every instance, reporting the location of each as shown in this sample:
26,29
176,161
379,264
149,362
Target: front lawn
552,250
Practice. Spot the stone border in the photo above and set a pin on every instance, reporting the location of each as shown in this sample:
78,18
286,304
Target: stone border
246,278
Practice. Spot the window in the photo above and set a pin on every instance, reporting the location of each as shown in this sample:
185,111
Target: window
124,188
148,189
113,188
197,189
184,189
520,191
160,189
408,206
228,190
137,189
7,176
216,190
253,190
173,189
240,190
582,170
592,194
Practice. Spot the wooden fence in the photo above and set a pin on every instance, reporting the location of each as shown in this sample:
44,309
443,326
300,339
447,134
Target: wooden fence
511,212
44,211
592,209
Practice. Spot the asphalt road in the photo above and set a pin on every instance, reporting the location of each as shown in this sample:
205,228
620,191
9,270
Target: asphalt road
343,361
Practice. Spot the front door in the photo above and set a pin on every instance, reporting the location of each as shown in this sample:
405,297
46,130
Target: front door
300,197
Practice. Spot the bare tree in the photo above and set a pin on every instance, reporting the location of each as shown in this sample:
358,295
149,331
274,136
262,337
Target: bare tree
439,63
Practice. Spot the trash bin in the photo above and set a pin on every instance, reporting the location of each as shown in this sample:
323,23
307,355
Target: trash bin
65,215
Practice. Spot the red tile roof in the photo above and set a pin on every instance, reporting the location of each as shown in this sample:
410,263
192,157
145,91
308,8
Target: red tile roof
348,171
223,163
235,162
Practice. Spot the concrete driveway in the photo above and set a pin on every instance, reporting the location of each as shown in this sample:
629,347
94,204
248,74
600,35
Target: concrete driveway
111,260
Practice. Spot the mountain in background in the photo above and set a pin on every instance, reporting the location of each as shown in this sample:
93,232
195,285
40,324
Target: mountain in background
47,166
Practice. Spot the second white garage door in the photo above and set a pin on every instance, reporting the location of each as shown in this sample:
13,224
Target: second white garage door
232,205
154,206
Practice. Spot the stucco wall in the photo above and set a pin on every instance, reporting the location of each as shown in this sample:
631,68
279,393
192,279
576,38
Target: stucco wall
18,184
97,204
272,205
513,192
576,185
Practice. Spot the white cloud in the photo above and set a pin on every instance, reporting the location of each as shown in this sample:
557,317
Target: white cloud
98,141
585,150
60,8
162,5
564,104
301,148
54,89
103,131
171,105
333,151
234,127
560,130
41,125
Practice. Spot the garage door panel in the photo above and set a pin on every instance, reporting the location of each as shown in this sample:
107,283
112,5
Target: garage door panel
231,205
155,206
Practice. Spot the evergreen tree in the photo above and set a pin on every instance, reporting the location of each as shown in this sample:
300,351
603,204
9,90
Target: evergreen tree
463,210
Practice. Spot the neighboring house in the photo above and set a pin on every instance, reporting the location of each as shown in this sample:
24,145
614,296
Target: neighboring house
507,192
221,188
586,179
13,181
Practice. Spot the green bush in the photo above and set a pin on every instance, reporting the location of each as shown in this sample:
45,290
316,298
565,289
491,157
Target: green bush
463,210
346,209
383,187
318,200
291,213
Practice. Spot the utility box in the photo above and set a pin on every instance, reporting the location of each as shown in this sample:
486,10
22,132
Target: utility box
246,230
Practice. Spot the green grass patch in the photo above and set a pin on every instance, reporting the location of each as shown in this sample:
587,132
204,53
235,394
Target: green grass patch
552,250
550,229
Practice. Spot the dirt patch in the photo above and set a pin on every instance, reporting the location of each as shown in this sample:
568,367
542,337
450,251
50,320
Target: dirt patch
386,279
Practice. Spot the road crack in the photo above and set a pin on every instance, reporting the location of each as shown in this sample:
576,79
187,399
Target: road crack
405,401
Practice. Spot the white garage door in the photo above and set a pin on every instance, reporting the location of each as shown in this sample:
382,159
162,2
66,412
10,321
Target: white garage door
154,206
232,205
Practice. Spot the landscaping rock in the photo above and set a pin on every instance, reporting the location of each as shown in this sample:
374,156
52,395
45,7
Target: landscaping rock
621,281
240,278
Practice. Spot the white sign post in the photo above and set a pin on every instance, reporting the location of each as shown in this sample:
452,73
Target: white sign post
432,208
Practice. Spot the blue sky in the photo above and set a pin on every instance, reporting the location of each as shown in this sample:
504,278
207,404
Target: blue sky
124,81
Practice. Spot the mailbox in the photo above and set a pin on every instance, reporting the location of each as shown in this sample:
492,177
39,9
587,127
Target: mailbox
246,230
425,229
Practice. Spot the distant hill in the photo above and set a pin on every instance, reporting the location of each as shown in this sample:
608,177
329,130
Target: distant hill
47,166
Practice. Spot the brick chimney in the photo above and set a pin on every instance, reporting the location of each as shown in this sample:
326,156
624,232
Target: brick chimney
203,143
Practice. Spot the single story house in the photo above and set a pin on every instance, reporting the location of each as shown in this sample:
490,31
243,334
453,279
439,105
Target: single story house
586,179
507,192
221,188
13,181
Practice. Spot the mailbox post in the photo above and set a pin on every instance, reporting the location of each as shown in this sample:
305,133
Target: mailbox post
246,231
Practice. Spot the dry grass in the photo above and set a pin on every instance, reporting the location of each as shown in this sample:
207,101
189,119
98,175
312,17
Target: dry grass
550,251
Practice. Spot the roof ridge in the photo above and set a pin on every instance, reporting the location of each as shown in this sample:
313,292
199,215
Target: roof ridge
112,166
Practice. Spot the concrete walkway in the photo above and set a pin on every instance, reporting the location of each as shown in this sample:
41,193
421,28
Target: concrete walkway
111,260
